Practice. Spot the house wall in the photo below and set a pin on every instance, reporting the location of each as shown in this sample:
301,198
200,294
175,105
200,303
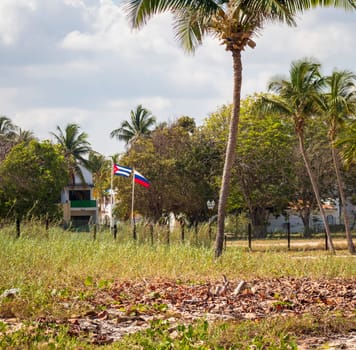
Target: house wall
278,224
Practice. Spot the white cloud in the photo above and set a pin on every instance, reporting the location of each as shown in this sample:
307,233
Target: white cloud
13,19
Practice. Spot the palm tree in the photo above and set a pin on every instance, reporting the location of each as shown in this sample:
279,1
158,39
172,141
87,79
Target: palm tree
22,135
100,168
338,103
347,142
234,23
297,98
6,126
7,136
141,120
75,147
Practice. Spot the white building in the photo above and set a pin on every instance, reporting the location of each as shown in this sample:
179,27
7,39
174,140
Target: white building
333,216
79,208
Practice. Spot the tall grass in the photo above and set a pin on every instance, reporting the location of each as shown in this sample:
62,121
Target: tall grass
60,258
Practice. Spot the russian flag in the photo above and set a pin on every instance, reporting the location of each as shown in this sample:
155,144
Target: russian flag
140,179
122,170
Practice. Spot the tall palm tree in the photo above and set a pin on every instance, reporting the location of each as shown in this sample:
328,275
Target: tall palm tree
141,120
338,103
234,23
75,146
297,98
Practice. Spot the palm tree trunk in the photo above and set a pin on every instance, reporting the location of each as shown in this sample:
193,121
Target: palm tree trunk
316,192
350,244
230,152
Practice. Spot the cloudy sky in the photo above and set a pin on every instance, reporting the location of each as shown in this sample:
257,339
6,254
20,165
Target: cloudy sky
77,61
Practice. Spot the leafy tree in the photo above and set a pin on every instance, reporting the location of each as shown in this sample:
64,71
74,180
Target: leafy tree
187,123
198,168
75,146
140,123
180,167
338,103
297,99
264,165
261,177
31,179
234,23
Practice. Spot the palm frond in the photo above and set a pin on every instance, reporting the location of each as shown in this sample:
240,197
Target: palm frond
140,11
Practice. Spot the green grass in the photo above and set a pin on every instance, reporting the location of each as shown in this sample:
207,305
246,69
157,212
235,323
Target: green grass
55,269
279,333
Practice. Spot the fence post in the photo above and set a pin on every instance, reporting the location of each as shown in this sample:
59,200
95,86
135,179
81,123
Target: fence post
326,241
249,234
168,235
288,234
94,232
151,233
115,231
134,233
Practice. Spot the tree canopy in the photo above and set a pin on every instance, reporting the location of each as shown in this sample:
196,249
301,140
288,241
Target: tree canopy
32,177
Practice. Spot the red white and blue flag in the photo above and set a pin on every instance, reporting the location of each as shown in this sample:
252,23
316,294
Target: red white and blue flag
122,170
140,179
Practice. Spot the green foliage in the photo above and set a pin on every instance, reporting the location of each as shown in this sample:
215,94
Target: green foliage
158,336
181,167
261,178
32,178
347,142
101,169
187,123
264,164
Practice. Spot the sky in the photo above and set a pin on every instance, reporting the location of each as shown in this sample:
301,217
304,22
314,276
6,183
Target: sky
78,61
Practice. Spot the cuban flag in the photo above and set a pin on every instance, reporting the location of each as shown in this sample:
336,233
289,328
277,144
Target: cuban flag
140,179
122,170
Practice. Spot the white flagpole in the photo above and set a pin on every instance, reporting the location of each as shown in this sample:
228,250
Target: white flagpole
132,205
111,194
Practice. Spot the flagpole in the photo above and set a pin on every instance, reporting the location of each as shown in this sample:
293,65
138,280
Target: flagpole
132,206
111,193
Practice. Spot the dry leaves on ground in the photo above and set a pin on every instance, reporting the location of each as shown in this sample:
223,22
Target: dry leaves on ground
129,306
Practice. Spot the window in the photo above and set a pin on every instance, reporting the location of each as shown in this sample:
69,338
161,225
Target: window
79,195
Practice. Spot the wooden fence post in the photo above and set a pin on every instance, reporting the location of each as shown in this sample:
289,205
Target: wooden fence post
249,234
288,235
